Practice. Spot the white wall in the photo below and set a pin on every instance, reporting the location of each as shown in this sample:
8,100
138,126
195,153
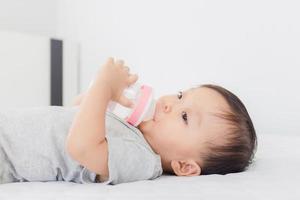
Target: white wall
25,70
249,47
26,27
30,16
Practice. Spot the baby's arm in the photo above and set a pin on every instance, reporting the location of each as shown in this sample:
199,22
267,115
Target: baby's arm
86,142
78,99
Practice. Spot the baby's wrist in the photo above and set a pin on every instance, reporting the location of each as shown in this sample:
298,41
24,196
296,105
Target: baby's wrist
103,85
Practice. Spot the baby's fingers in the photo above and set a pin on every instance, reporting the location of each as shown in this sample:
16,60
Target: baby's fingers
120,62
110,60
132,79
124,101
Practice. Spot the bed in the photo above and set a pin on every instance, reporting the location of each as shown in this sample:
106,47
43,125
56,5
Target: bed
273,175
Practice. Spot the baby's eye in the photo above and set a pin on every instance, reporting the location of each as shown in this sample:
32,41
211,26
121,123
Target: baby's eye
184,117
179,94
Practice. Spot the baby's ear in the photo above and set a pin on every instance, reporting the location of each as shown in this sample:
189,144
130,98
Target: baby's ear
185,167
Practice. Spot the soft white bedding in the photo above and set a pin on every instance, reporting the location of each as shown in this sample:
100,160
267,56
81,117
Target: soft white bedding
274,175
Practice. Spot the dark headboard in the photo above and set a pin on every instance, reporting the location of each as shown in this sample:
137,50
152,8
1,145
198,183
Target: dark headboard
56,72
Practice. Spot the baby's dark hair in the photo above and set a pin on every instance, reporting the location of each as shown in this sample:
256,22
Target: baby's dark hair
241,142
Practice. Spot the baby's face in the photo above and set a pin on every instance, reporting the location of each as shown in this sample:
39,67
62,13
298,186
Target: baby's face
182,123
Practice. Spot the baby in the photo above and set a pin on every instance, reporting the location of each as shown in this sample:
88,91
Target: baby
204,130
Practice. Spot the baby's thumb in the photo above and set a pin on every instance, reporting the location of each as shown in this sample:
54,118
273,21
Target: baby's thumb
124,101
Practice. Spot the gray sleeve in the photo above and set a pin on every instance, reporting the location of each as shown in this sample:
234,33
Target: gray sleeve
130,160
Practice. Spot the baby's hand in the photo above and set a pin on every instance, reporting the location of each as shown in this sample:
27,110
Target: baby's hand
116,76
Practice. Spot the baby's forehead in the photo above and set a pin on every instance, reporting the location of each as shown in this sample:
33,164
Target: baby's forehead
210,105
207,106
206,99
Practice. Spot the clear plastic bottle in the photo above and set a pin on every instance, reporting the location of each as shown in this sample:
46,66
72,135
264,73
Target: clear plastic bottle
144,104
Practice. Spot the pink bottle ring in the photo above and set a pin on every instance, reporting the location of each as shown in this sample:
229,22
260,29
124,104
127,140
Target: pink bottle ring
142,105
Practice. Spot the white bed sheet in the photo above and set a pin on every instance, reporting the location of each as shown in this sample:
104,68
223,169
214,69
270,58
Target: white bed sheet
274,175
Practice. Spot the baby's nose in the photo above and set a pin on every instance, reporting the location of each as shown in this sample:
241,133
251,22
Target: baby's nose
167,108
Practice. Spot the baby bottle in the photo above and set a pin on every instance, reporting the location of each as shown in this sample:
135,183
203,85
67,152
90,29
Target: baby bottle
144,104
142,97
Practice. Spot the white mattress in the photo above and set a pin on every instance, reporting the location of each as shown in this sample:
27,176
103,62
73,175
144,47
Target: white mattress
274,175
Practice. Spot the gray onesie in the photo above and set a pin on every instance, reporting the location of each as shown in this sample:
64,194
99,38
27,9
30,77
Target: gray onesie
32,148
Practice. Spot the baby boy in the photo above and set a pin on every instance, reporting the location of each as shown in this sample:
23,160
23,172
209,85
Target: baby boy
203,130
